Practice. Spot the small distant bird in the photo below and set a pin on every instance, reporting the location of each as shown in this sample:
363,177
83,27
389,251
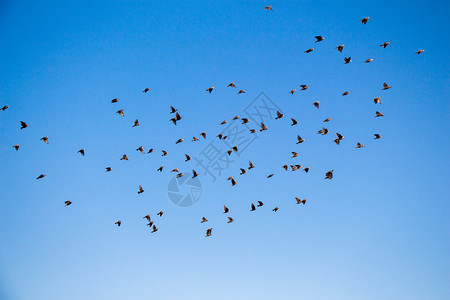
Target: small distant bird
203,134
292,92
279,115
141,149
327,120
188,158
340,48
345,93
243,171
67,203
364,20
141,190
147,217
115,100
276,209
179,175
173,110
208,232
232,84
118,223
224,122
245,120
150,223
250,165
220,136
339,136
294,154
316,104
120,112
81,151
347,60
299,140
384,45
329,174
300,201
4,108
204,220
309,50
179,141
385,86
378,114
263,127
45,139
306,169
136,123
304,87
235,118
160,213
176,118
174,170
146,90
164,152
253,207
155,229
41,176
319,38
358,145
108,169
210,89
420,51
150,151
368,60
294,122
225,209
377,100
23,125
160,169
252,130
124,157
233,182
241,92
16,147
194,174
377,136
260,204
230,220
285,167
268,7
270,176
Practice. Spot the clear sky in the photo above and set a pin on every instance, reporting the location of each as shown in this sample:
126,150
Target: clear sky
378,230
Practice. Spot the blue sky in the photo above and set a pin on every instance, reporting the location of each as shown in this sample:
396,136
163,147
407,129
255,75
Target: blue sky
378,230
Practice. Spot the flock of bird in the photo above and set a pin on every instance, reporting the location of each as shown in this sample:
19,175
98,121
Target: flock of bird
262,127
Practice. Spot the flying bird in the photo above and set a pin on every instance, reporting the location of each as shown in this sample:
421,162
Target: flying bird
263,127
306,169
155,229
164,152
230,220
194,174
67,203
108,169
359,145
275,209
16,147
368,60
136,123
4,108
141,149
81,151
188,158
329,174
233,182
260,204
250,165
299,140
377,136
294,154
292,92
120,112
316,104
204,220
115,100
294,122
41,176
384,45
279,115
241,92
160,213
347,60
160,169
377,100
210,89
386,86
150,151
146,90
300,201
45,139
304,87
225,209
268,7
319,38
232,84
124,157
147,217
23,125
118,223
269,176
327,120
364,20
253,207
203,134
378,114
179,141
309,50
345,93
141,190
243,171
208,232
420,51
173,110
340,48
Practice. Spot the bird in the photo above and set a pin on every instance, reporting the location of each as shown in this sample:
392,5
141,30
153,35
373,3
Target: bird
232,84
377,136
306,169
329,174
164,152
245,120
250,165
300,201
173,110
377,100
316,104
235,118
368,60
45,139
136,123
23,125
252,130
339,136
268,7
299,139
147,217
174,170
16,147
115,100
340,48
345,93
225,209
420,51
241,92
304,87
204,220
203,134
294,122
386,86
150,223
194,139
124,157
384,45
208,232
141,149
253,207
378,114
81,151
146,90
41,176
260,204
194,174
188,158
359,145
295,167
275,209
270,175
364,20
319,38
347,60
118,223
176,118
294,154
210,89
309,50
120,112
263,127
230,220
243,171
233,182
285,167
155,229
292,92
223,122
150,151
160,213
67,203
141,190
4,108
108,169
179,141
179,175
160,169
327,120
279,115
